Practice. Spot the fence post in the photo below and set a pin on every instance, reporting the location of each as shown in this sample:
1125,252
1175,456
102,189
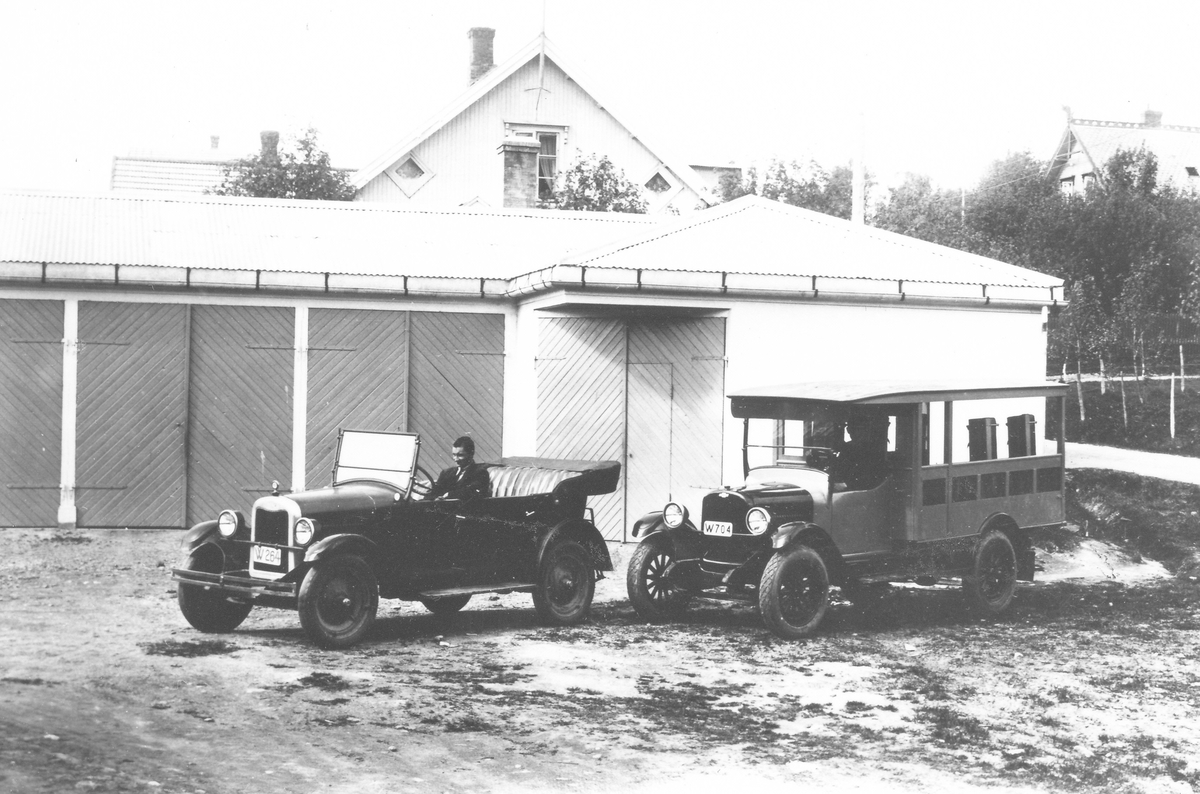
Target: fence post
1172,405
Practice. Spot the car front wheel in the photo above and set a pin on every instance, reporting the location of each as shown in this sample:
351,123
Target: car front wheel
338,601
209,610
992,582
566,582
652,595
794,592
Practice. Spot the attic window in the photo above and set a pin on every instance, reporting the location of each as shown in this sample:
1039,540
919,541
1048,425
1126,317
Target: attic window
1088,180
410,174
658,183
409,170
1067,186
1191,171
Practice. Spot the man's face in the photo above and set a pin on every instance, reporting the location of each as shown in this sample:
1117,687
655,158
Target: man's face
461,456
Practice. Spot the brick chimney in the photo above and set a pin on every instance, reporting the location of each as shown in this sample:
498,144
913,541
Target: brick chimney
481,51
1153,118
520,171
270,143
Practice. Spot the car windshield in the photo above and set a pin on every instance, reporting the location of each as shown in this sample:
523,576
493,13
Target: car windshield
384,457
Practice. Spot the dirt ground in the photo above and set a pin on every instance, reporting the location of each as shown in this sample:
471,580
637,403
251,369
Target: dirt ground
1090,683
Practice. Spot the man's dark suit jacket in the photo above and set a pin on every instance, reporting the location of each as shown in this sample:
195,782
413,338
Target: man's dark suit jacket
472,485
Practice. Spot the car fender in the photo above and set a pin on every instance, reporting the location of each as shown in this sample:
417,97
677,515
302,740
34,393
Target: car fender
342,544
585,534
653,522
202,533
813,536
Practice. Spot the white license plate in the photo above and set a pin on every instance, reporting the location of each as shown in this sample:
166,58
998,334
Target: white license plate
266,555
720,528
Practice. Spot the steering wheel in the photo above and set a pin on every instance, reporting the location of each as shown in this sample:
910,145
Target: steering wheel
422,483
821,457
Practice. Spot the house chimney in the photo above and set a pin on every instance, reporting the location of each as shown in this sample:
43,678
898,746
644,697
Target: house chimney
481,51
270,143
520,171
1153,118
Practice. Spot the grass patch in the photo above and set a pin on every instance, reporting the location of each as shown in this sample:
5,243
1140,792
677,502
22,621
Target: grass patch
1148,406
952,728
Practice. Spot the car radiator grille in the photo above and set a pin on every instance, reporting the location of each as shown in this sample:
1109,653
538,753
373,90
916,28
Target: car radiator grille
271,526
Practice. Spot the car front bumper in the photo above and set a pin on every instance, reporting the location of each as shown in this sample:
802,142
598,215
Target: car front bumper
239,584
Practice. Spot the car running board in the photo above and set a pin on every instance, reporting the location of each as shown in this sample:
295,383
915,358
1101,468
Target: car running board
502,589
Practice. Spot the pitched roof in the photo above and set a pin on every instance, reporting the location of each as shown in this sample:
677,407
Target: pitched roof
167,174
1176,147
539,45
754,235
748,245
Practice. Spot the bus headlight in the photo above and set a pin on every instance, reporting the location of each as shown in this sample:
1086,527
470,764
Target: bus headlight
758,521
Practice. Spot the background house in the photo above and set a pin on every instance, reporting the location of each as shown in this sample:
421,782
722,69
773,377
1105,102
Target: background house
162,358
1086,145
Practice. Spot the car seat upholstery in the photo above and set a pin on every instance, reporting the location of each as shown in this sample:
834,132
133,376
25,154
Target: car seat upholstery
525,480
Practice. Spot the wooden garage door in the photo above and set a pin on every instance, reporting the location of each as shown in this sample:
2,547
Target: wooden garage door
581,401
456,384
357,379
675,412
240,406
132,411
31,334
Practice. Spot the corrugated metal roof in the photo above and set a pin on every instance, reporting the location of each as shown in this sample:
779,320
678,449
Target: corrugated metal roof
762,239
298,236
158,173
756,235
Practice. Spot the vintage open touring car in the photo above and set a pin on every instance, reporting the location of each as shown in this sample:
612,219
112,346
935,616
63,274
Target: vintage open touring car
331,553
856,485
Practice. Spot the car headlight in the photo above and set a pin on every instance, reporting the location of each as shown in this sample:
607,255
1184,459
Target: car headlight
227,523
757,521
674,515
306,529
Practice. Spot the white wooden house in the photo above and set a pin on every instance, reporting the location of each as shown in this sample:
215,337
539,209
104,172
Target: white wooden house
162,358
501,142
1087,144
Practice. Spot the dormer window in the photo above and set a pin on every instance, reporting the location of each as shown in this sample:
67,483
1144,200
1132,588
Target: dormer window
552,139
409,174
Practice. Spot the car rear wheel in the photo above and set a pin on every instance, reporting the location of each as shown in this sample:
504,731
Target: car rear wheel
566,583
446,605
338,601
992,582
653,597
208,610
794,592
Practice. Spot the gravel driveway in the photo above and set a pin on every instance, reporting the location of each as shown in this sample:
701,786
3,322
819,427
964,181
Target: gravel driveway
1147,464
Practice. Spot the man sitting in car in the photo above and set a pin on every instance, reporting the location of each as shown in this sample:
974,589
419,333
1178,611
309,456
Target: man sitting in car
464,480
861,463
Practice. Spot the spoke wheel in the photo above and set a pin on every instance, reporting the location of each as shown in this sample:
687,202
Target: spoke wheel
992,582
794,592
653,597
208,610
446,605
566,583
338,601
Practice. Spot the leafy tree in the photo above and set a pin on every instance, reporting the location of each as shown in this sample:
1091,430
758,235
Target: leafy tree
807,185
303,172
594,184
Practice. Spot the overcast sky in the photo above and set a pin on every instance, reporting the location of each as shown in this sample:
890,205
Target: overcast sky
941,88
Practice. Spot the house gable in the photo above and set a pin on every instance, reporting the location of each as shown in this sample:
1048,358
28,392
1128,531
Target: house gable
1086,145
454,160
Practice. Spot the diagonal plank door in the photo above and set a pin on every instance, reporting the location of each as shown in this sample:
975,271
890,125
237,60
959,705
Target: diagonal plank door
240,406
31,369
131,415
581,401
357,379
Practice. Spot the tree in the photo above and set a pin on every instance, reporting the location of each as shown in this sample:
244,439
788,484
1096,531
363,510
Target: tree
594,184
806,185
303,172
